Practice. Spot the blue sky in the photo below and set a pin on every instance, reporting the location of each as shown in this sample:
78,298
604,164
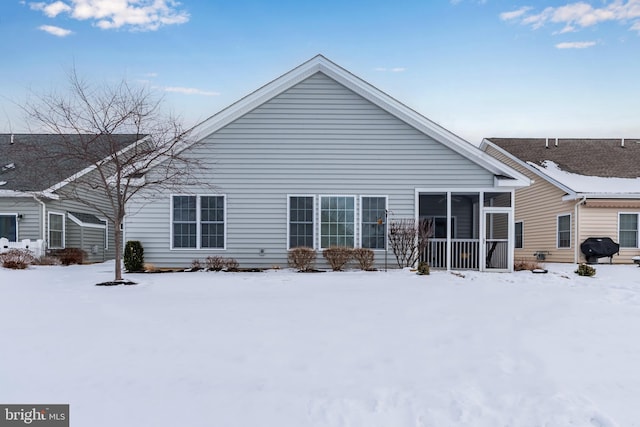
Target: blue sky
479,68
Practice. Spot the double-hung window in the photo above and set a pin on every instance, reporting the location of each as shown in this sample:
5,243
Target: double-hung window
198,222
628,230
300,222
374,225
56,230
337,221
564,231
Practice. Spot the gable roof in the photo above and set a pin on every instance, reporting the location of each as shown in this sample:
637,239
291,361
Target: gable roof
581,167
38,162
319,64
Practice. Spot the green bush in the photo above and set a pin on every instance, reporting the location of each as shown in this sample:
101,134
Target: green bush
133,256
423,268
585,270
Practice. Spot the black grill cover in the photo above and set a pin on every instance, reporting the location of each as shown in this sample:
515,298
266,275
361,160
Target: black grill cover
599,247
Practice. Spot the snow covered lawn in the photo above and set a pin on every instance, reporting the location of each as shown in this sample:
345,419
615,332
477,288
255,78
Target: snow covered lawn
333,349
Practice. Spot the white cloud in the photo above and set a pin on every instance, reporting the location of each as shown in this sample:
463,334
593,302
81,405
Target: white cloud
189,91
393,70
575,45
574,16
514,14
140,15
56,31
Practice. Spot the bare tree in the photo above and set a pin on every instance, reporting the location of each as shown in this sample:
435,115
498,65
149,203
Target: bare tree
408,238
118,131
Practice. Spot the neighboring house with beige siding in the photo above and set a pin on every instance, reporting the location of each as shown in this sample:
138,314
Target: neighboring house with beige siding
320,158
43,202
581,188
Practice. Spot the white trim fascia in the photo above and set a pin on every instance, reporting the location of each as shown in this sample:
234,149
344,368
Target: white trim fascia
91,168
321,64
576,196
84,224
31,194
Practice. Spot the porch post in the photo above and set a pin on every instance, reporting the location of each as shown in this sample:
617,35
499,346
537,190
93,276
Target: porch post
449,230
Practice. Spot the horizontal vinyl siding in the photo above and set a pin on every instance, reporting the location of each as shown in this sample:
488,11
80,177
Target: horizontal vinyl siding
84,201
30,225
603,222
317,138
538,207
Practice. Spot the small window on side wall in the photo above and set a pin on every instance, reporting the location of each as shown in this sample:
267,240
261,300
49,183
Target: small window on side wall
519,235
564,231
56,230
628,230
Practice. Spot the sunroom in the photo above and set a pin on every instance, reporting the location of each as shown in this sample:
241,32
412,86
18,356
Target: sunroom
468,229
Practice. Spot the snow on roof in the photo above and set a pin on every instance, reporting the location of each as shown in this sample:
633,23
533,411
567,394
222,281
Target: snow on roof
589,184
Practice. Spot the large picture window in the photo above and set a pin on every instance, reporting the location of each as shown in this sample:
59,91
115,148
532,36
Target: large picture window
56,230
374,227
628,230
198,222
9,226
564,231
337,216
300,221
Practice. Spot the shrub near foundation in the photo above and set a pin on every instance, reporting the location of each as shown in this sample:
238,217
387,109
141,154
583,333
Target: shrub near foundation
16,259
364,258
337,257
302,258
134,256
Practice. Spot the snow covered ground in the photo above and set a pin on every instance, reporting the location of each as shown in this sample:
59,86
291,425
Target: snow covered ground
333,349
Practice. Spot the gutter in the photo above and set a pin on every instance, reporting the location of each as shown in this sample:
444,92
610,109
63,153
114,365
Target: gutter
576,255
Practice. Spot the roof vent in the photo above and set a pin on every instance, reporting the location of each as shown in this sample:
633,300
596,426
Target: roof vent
11,142
8,167
556,142
622,143
546,143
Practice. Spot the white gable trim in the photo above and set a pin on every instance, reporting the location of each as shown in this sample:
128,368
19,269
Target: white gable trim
321,64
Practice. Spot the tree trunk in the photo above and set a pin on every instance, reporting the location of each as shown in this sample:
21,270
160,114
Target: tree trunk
117,235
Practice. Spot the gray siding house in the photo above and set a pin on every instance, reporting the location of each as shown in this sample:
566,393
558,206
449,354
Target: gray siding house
36,210
319,158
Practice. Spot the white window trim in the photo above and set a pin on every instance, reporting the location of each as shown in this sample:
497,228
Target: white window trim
315,204
385,219
198,223
558,230
64,229
637,230
356,219
514,234
15,215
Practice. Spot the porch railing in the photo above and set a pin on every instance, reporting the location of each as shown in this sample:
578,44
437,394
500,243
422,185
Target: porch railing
465,254
37,247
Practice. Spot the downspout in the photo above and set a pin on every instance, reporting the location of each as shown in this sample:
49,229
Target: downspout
44,220
576,254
